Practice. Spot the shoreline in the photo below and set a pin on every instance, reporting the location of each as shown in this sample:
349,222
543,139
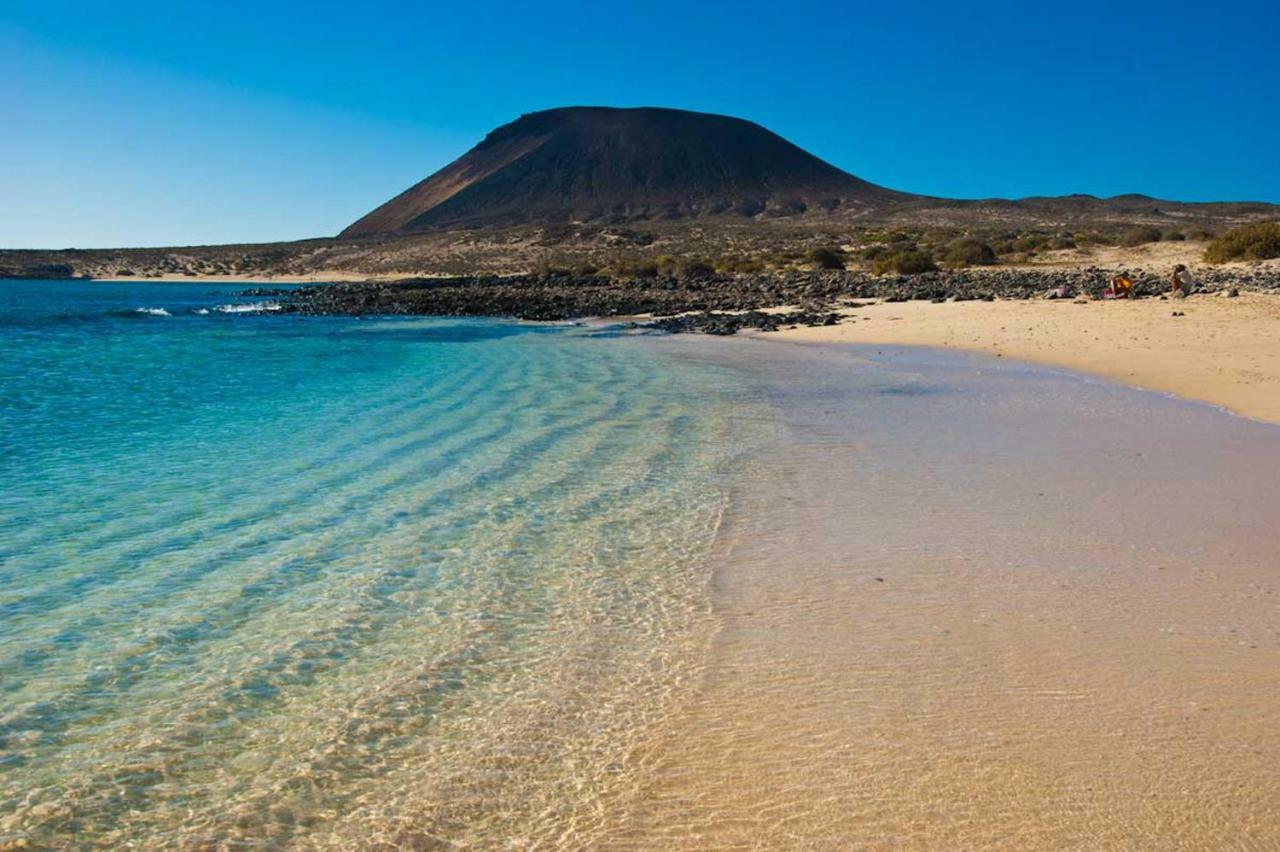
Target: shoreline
1211,347
1215,346
1221,351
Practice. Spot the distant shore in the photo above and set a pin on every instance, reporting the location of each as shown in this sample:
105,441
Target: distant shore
1211,347
330,277
1217,346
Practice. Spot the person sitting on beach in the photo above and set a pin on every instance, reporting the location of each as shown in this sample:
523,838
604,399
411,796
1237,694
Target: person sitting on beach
1183,284
1121,288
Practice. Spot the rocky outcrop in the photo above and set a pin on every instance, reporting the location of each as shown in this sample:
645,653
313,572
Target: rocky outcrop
719,304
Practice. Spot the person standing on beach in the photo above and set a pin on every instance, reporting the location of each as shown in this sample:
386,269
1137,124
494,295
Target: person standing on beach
1183,284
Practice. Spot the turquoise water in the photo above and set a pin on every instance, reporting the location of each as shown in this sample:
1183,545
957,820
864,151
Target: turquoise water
271,579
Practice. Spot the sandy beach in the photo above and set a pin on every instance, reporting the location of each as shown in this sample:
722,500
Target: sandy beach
970,603
1224,351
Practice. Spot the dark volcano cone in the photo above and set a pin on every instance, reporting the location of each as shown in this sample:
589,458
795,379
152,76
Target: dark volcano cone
599,163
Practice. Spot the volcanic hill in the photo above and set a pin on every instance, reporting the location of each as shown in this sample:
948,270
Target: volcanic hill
610,164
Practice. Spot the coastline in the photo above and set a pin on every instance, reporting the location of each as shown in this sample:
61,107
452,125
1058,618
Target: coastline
322,277
1211,348
1222,351
825,594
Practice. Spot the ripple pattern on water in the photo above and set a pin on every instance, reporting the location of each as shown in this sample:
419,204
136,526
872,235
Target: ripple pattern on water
268,580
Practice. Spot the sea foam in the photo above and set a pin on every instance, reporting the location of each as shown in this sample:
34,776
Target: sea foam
248,308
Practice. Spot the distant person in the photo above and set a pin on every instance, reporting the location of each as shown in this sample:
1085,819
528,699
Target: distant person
1121,288
1183,284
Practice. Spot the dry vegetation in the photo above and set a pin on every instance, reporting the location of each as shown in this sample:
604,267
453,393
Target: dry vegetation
949,235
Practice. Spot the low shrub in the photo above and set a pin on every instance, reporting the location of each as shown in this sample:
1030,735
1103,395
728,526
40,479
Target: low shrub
905,263
1031,243
1140,236
1094,238
970,253
739,265
1258,241
666,264
635,269
694,267
827,258
1174,236
879,251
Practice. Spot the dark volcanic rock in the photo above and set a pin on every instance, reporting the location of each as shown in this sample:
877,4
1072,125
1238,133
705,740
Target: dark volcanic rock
710,322
716,304
39,270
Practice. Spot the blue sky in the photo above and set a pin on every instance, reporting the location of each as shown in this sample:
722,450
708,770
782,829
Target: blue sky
149,123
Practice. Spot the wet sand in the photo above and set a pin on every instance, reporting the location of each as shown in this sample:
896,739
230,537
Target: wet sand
970,603
1225,351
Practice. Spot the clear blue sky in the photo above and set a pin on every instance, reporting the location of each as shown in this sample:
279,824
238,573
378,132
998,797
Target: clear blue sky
160,123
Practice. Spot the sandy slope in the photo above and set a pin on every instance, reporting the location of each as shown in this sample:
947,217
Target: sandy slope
1224,351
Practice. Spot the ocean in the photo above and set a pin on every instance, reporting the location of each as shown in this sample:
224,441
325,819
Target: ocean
269,579
275,581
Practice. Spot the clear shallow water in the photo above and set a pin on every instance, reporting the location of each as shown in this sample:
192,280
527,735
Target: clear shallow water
269,579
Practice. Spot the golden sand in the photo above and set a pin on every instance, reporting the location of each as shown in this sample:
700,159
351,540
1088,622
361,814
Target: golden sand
1224,351
970,605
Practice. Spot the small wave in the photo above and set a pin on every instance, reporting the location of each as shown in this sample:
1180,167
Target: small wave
153,312
248,308
201,311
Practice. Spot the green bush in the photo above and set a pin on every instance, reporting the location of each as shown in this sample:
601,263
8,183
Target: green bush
905,263
1140,236
741,265
970,253
1062,241
1258,241
827,258
883,250
1174,236
666,264
635,269
694,267
1095,238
